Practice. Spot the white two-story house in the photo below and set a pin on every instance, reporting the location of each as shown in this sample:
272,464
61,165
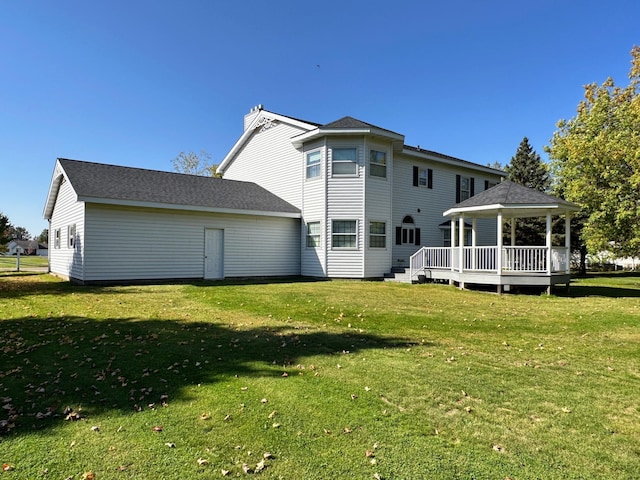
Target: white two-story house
345,200
367,200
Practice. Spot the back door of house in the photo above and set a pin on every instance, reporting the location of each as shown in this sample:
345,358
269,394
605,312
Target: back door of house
213,253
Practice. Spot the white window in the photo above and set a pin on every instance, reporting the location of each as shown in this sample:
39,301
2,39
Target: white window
56,238
313,164
71,235
407,234
446,235
344,161
377,235
344,234
313,234
378,164
465,188
422,180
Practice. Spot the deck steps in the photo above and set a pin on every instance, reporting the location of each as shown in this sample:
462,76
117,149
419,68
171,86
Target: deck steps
398,274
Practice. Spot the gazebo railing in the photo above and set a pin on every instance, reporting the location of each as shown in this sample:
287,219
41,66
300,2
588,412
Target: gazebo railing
484,259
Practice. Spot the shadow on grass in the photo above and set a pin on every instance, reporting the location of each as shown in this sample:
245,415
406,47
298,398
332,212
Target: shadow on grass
127,364
604,284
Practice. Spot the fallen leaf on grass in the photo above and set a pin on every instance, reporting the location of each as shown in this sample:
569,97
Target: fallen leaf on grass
7,467
88,476
203,461
246,468
205,416
157,428
260,466
170,445
224,472
499,448
272,414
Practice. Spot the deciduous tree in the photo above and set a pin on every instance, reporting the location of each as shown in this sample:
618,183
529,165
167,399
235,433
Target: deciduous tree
596,157
194,164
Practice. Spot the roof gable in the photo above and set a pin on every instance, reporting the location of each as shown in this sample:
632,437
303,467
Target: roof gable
102,183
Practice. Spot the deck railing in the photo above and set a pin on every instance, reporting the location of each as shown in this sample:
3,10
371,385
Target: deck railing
484,259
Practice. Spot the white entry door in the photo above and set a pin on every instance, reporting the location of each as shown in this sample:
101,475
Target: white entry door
213,253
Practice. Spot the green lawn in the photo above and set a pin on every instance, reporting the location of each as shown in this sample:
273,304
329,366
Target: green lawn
318,380
9,262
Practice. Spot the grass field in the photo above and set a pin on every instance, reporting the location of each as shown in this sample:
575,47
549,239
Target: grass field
318,380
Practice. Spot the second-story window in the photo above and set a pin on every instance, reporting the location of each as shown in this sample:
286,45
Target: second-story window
464,188
313,164
378,164
344,161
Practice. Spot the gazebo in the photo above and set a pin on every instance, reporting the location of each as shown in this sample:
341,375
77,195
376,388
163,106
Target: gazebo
500,265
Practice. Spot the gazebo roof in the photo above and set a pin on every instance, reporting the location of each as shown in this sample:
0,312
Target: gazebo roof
512,200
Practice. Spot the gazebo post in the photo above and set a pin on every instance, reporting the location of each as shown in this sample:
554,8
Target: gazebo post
567,241
548,244
453,244
461,245
473,243
499,250
513,231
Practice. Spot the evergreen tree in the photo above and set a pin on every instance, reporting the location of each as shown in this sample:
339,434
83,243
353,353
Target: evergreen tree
5,230
526,168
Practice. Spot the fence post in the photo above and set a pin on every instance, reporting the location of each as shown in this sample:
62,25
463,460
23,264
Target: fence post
18,260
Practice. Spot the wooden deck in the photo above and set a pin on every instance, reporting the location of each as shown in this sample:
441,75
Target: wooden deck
515,266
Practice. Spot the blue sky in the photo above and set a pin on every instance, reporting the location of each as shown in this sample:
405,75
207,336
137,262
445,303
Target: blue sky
136,82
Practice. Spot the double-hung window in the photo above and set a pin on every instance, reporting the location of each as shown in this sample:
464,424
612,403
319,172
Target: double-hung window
422,177
71,235
313,234
377,235
56,238
464,188
344,161
344,234
313,164
378,164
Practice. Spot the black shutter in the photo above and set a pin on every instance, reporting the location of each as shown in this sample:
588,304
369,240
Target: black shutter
398,235
457,188
486,184
415,176
429,178
417,236
472,187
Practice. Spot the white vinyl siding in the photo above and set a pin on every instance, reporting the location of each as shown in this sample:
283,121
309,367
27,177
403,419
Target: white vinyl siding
128,243
345,201
65,260
269,159
314,208
407,200
378,203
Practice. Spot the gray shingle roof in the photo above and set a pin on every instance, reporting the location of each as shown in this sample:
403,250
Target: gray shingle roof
510,193
350,122
127,184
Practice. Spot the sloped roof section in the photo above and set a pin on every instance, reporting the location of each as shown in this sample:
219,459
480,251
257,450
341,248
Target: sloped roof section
510,193
354,123
513,197
126,185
